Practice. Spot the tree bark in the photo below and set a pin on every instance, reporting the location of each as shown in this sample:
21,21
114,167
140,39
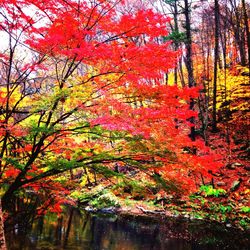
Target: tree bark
238,31
176,45
2,237
216,59
189,62
247,30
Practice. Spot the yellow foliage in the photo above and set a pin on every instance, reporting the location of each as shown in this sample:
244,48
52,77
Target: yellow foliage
233,93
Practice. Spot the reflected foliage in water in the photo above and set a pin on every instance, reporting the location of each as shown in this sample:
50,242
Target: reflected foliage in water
80,230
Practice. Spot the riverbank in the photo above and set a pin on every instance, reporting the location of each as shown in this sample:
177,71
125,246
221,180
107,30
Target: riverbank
205,233
187,211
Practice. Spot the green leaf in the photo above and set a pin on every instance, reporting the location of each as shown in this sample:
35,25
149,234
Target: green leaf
245,209
176,36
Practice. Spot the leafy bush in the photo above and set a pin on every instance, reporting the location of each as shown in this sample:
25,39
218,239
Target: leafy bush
245,209
225,209
105,200
208,190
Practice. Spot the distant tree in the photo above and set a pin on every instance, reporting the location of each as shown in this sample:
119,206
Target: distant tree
216,60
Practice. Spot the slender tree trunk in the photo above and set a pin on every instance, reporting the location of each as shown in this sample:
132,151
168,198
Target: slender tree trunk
176,44
189,61
216,59
189,55
166,78
2,237
247,31
181,75
223,36
239,33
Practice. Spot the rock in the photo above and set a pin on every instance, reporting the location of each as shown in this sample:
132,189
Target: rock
234,165
230,166
168,213
108,210
236,185
221,183
90,209
242,174
217,174
150,211
237,164
247,168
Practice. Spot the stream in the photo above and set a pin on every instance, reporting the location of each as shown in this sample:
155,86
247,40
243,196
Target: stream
76,229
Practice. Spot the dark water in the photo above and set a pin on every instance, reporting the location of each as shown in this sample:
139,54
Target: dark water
80,230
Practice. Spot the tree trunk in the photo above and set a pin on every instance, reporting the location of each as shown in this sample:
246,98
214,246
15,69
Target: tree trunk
247,30
239,33
8,197
2,237
189,62
216,59
176,45
181,75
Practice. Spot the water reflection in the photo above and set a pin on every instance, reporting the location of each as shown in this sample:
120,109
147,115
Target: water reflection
79,230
